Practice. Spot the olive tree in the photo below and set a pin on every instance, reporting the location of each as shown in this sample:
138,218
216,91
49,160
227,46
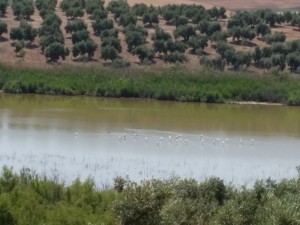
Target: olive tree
197,42
3,28
276,37
55,51
100,25
3,7
134,39
150,18
144,53
112,41
74,26
109,53
185,32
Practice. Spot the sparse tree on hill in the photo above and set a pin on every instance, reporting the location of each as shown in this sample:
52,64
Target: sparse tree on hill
278,60
134,39
150,18
219,36
197,42
214,13
140,9
23,9
127,19
222,47
185,32
114,33
99,14
176,46
240,59
293,60
288,16
75,26
16,33
109,53
55,51
46,40
175,57
84,47
101,25
276,37
257,54
74,12
3,7
3,28
80,35
115,42
168,15
91,47
180,20
144,53
262,29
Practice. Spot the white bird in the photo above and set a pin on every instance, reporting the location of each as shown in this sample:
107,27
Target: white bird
161,139
135,135
124,137
186,141
146,139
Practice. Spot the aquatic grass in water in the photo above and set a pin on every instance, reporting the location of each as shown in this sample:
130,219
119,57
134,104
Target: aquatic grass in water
164,84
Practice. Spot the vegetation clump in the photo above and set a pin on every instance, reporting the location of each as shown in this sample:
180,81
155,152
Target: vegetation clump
27,198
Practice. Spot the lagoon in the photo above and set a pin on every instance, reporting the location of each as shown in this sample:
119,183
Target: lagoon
69,137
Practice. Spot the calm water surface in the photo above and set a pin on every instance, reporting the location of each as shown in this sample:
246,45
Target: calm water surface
73,137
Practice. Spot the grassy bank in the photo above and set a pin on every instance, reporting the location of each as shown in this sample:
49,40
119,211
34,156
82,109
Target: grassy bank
176,84
27,199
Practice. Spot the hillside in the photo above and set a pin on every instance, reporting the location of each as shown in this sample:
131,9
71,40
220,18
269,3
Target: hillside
34,55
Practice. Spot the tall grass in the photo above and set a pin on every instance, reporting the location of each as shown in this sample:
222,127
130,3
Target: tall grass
178,84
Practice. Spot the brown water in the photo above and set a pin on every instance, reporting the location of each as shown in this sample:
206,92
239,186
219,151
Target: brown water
81,136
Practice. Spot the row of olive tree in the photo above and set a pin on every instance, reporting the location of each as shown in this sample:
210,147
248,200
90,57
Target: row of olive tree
104,28
51,37
277,55
135,36
184,14
82,44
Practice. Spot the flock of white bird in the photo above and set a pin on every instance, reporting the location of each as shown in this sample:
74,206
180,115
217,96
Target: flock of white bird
180,139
